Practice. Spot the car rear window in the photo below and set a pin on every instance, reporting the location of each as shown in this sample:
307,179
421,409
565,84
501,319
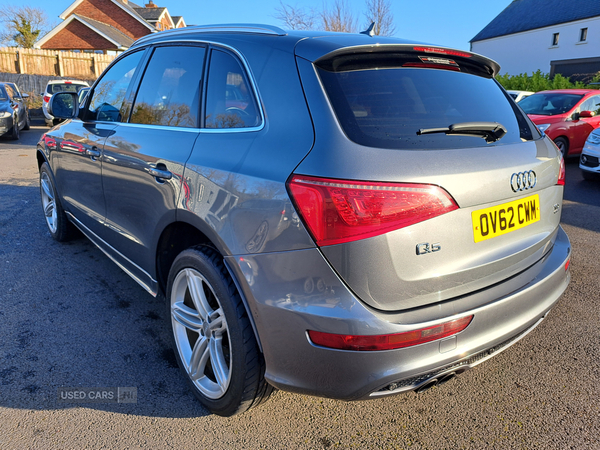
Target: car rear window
384,101
549,104
54,88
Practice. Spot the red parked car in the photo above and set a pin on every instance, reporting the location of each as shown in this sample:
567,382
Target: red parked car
567,116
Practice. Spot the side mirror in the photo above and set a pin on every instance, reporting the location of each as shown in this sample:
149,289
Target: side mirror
587,114
575,116
64,105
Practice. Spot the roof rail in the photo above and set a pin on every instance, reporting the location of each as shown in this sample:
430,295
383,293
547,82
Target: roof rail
251,28
254,28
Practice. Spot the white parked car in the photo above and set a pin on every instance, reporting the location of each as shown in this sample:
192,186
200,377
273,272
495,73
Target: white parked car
55,86
589,160
519,95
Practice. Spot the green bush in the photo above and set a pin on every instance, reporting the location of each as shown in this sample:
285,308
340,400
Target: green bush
539,81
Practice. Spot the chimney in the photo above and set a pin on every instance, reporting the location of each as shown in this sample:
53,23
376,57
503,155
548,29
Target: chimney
151,5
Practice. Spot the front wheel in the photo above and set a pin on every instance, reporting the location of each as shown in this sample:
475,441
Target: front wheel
59,226
563,145
212,335
14,134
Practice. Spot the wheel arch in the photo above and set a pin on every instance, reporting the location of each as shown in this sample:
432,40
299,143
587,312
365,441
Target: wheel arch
181,235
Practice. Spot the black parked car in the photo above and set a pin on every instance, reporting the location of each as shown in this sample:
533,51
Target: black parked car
13,110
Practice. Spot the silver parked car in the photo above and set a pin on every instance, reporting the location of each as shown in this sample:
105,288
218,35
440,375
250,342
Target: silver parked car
331,214
589,160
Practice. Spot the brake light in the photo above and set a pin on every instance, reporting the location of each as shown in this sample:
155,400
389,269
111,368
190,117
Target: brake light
47,98
338,211
442,51
389,341
562,173
432,66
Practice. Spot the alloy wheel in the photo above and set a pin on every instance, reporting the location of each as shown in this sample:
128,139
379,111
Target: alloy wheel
201,333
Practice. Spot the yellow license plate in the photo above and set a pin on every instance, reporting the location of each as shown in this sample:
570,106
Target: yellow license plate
504,218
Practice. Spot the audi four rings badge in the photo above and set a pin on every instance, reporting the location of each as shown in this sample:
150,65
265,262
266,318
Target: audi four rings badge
523,180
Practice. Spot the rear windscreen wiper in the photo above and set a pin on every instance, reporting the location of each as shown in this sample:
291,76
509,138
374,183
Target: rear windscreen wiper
490,131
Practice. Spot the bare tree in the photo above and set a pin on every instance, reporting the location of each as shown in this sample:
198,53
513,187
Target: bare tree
380,12
22,25
295,17
338,17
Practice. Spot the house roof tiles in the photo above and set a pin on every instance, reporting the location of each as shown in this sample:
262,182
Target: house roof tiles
525,15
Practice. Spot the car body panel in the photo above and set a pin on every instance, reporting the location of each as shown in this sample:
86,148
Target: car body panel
298,291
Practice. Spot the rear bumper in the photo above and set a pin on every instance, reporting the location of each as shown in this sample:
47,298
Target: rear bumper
289,293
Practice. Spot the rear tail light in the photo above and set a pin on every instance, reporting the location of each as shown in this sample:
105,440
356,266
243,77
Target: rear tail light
389,341
338,211
562,173
47,98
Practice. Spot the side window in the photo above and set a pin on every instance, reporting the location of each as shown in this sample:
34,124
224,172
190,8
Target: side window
230,102
592,104
169,93
9,90
108,99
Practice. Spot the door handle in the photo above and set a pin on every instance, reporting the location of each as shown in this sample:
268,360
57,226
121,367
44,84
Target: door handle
93,152
161,173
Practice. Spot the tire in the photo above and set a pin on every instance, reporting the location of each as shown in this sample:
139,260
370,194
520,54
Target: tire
58,224
212,336
27,121
14,133
563,145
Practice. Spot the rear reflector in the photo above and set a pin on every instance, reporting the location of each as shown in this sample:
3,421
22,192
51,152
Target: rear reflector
567,264
338,211
389,341
562,173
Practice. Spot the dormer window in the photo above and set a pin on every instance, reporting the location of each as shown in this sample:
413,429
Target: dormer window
555,39
583,35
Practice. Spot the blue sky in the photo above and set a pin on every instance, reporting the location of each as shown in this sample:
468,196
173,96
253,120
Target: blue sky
442,22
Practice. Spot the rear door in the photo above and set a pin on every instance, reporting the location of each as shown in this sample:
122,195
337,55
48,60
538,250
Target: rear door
145,155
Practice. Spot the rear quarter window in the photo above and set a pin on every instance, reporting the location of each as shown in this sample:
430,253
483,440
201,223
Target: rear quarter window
385,102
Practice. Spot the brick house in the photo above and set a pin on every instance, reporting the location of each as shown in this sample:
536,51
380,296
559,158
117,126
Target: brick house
107,26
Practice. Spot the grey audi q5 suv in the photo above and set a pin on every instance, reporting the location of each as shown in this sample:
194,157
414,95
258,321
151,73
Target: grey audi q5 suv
341,215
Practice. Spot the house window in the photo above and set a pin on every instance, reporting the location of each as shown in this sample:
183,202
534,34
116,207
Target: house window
555,39
583,35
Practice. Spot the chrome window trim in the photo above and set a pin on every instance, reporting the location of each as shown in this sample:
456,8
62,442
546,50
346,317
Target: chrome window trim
156,127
